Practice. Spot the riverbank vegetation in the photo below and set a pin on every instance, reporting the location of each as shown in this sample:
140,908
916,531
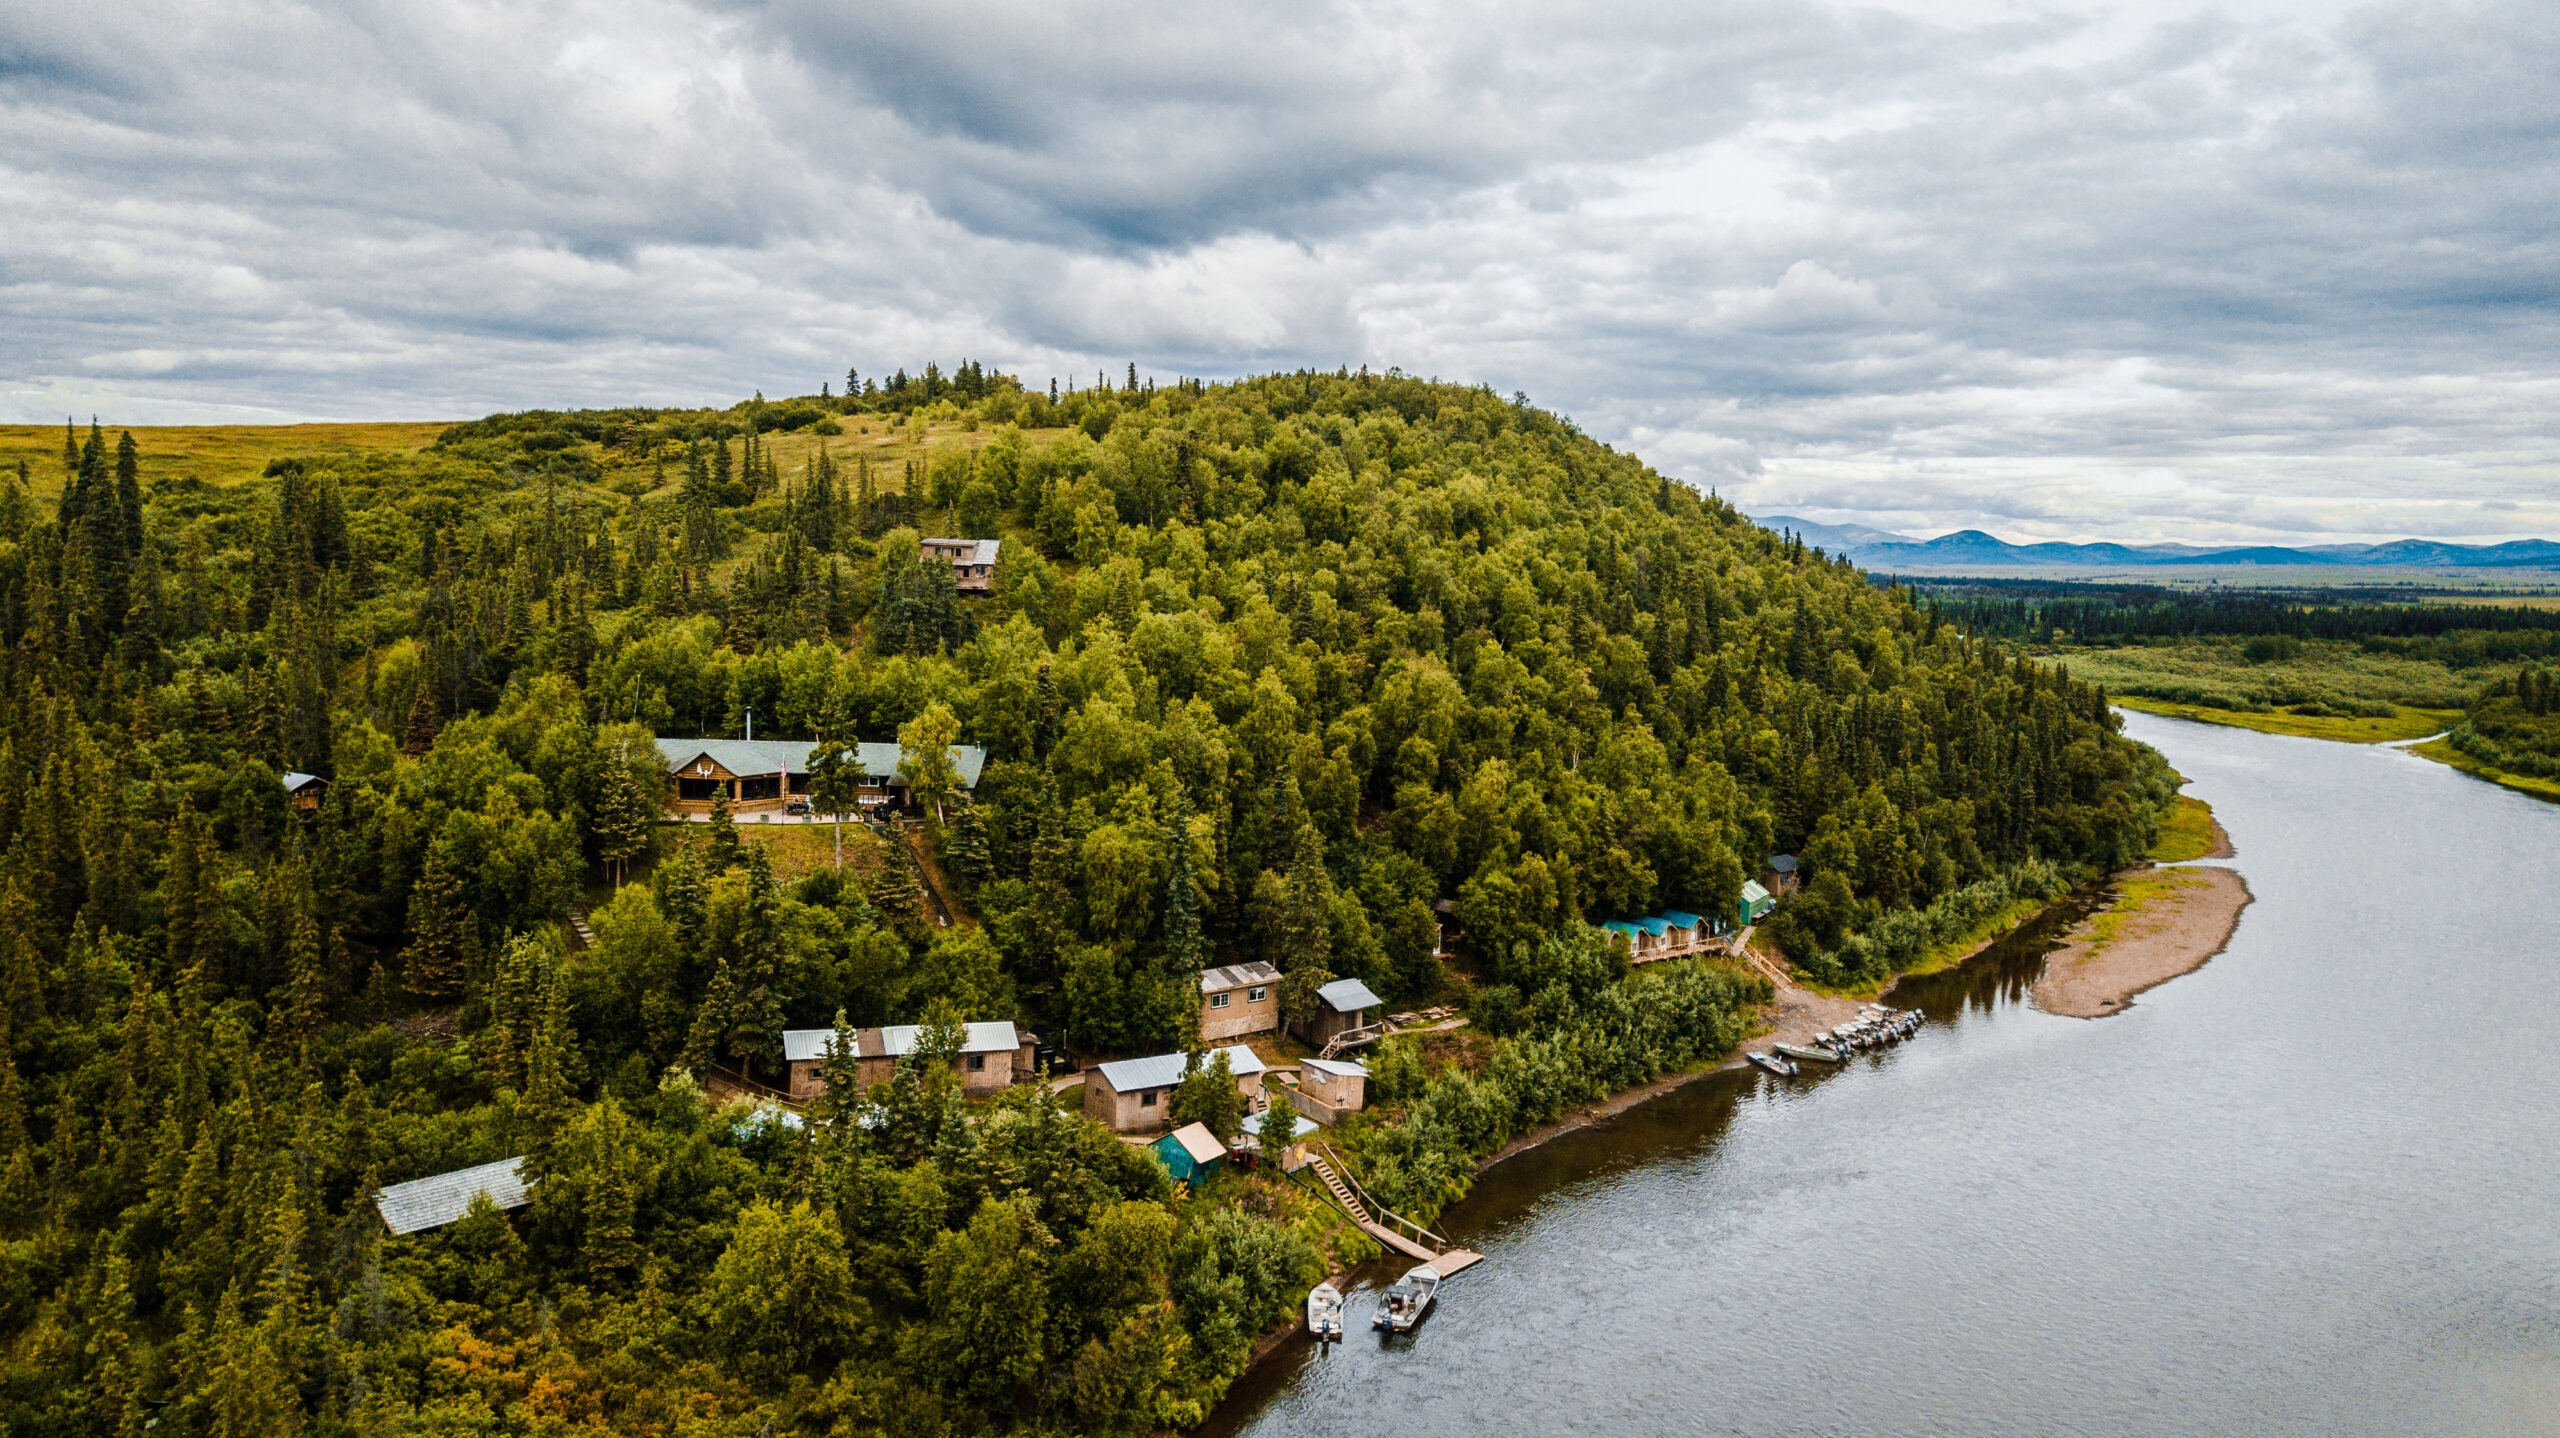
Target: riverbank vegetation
1267,669
2317,664
2187,831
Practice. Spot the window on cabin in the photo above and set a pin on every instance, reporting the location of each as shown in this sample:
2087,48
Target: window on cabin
698,790
1146,1098
1218,1001
1256,994
977,1063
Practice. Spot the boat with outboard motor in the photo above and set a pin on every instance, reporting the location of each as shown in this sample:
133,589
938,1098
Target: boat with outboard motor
1324,1312
1810,1053
1775,1064
1407,1300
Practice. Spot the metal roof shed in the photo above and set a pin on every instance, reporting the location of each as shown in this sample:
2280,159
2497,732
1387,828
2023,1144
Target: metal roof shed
1349,996
425,1203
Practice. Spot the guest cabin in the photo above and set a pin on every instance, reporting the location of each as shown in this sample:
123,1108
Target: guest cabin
1781,875
763,776
1239,999
1130,1095
972,561
1344,1009
1671,934
993,1056
1330,1088
303,792
1755,904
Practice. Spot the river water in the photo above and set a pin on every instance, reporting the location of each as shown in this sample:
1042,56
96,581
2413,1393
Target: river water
2313,1187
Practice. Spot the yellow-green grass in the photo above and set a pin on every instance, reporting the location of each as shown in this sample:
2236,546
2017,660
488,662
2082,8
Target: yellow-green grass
2352,729
213,453
2135,892
2443,752
2186,832
797,850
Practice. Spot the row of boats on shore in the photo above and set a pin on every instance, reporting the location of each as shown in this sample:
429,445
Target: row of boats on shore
1874,1027
1400,1308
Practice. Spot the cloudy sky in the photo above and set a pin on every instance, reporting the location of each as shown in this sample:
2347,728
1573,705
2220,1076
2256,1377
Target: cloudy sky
2245,270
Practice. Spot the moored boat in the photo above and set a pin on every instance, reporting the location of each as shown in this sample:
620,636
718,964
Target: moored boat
1774,1064
1808,1052
1407,1300
1324,1312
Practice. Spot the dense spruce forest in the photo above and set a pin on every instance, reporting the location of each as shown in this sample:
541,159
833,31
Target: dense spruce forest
1269,669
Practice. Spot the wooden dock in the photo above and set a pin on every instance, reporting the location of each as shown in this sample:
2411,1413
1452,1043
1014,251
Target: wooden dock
1406,1237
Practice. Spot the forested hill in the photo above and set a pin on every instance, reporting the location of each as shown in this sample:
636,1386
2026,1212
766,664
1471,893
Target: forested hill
1269,668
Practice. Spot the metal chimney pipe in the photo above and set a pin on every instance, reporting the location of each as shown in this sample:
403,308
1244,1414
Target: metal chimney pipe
751,723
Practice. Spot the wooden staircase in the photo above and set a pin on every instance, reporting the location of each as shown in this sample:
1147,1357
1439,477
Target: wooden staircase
1407,1237
578,926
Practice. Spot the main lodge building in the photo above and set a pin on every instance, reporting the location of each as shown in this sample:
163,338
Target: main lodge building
767,775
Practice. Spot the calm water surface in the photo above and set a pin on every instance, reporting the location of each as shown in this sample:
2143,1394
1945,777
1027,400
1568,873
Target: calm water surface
2312,1188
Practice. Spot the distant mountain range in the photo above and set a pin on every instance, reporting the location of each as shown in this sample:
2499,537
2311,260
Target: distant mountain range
1968,549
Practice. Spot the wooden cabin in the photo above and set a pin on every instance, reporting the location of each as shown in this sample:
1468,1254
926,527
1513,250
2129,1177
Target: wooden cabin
424,1203
993,1056
1239,999
1330,1088
764,776
1344,1006
1132,1095
303,792
1781,875
972,561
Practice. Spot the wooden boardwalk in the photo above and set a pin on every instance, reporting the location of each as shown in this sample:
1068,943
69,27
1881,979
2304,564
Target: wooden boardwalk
1409,1239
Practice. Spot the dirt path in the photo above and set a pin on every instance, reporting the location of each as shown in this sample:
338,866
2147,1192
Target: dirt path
2165,922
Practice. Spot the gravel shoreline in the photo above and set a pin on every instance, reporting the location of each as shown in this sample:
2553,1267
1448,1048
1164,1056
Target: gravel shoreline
2168,923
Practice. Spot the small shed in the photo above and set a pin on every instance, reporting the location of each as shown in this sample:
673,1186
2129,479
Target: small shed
424,1203
1782,874
304,791
1755,904
1343,1006
1190,1153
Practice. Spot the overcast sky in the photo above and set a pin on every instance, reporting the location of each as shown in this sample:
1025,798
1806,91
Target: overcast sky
2250,270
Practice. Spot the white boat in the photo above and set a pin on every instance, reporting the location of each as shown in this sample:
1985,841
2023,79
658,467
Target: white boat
1808,1052
1408,1300
1324,1312
1774,1064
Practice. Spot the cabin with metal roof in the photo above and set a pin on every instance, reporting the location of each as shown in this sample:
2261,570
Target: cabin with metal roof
304,791
1755,904
1671,934
1132,1095
993,1056
424,1203
764,776
1239,999
1330,1088
1346,1013
972,561
1781,875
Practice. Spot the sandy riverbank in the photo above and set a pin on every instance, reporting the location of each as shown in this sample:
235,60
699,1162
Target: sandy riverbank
2165,922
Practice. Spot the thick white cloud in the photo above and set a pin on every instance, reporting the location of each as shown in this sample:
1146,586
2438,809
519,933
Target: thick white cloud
2194,271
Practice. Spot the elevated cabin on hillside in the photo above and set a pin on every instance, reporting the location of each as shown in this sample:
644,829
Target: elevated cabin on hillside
972,561
993,1056
1344,1009
1781,875
1190,1153
1755,904
1132,1095
763,776
433,1202
1239,999
303,792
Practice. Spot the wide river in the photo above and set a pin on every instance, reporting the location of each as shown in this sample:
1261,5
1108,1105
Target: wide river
2313,1187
